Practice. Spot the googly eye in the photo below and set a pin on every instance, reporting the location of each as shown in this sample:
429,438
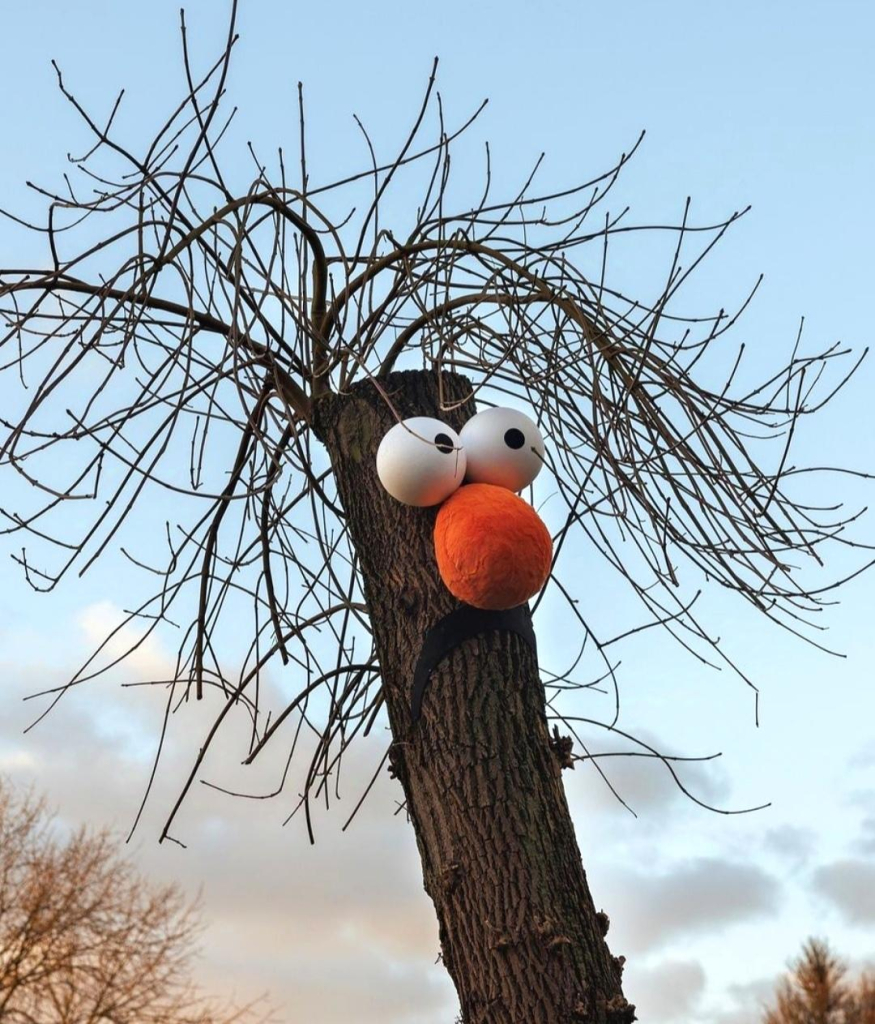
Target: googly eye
420,461
503,447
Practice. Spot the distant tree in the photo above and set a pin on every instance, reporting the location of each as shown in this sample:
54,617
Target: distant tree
817,991
863,1000
83,938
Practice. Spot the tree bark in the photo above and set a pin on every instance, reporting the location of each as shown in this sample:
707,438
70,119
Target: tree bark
519,932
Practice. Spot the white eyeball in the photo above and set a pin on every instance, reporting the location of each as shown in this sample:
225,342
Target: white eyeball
420,461
503,447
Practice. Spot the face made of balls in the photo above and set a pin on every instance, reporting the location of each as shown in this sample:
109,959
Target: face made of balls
492,549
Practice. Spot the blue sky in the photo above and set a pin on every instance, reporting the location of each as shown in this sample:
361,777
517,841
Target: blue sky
761,103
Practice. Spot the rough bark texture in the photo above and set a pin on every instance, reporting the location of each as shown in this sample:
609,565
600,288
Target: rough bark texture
519,932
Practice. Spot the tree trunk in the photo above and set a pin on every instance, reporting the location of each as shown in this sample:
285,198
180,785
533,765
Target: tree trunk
519,932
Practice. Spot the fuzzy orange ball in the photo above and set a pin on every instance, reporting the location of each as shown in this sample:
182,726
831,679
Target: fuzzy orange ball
493,551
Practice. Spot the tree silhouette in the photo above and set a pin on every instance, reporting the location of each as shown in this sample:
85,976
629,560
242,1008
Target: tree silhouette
817,991
223,359
84,939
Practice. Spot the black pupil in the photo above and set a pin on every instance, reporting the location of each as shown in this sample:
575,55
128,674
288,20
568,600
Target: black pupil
444,443
514,438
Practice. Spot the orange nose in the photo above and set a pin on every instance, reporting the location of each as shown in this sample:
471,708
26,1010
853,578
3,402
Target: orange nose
493,551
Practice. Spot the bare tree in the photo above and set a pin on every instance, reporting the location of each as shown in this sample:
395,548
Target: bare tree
817,991
84,939
863,999
237,351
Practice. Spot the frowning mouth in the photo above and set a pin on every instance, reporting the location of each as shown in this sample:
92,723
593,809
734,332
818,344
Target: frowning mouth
464,623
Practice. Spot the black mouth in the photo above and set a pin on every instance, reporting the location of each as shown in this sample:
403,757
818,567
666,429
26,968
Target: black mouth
460,625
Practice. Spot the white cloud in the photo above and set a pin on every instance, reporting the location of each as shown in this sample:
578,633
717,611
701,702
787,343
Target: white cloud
850,886
866,842
701,895
644,783
747,1001
17,761
863,758
669,991
792,843
102,624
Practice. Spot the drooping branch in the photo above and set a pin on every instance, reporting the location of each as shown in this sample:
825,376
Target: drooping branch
185,353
